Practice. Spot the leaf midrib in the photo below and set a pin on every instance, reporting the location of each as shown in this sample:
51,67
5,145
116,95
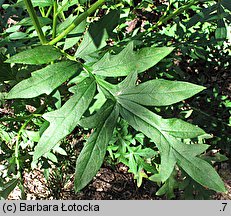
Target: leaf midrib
96,139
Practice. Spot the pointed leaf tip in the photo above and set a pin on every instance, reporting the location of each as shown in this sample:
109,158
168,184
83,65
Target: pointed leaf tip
161,92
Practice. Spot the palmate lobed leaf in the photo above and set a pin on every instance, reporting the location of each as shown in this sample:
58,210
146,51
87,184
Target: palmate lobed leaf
145,93
128,61
38,55
93,152
160,92
45,80
168,160
65,119
172,149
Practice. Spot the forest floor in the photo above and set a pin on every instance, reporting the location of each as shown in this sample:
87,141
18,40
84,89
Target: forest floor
108,184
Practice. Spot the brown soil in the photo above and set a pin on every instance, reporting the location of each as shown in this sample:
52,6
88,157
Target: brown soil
108,184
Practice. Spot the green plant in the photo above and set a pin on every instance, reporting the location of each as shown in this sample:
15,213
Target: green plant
132,151
88,90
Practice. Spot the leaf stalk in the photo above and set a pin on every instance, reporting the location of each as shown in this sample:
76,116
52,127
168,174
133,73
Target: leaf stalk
77,21
35,21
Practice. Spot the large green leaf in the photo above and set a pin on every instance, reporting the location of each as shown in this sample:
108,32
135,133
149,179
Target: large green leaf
181,129
65,119
169,186
44,80
160,92
128,61
127,83
93,152
95,38
39,55
172,149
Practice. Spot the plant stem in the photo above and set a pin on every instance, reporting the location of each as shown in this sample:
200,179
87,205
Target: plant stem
165,18
17,151
55,16
62,15
176,12
61,9
35,21
48,11
17,158
77,21
42,12
165,13
17,142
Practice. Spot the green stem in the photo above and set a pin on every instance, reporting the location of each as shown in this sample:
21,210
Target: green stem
17,151
35,21
55,16
164,19
42,12
17,158
165,13
176,12
17,142
62,15
77,21
48,11
22,118
61,9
